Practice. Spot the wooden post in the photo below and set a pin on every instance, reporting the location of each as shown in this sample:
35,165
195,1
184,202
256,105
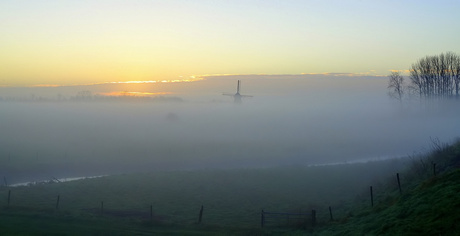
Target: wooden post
262,219
151,212
372,197
201,215
102,207
57,202
434,169
313,218
330,213
9,196
399,183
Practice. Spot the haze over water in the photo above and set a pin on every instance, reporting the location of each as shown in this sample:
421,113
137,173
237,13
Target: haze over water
290,120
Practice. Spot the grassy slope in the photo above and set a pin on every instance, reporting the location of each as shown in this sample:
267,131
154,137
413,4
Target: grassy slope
428,207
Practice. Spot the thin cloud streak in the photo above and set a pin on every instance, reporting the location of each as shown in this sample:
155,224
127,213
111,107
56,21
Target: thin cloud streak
371,73
133,94
195,78
122,82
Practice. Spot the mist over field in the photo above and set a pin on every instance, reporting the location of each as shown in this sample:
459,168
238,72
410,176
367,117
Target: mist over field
290,120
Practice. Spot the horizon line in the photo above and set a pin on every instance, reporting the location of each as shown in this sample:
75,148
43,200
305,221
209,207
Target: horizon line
195,78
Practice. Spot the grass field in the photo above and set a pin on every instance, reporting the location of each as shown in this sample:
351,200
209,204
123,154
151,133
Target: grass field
233,199
430,209
428,205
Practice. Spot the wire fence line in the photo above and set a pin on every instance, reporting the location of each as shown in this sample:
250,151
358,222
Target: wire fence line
267,218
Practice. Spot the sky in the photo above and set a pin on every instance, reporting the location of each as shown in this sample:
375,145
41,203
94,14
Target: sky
99,41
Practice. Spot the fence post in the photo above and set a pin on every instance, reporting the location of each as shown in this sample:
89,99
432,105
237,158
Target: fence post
399,183
57,202
330,213
201,215
151,212
372,197
9,197
262,219
102,208
313,218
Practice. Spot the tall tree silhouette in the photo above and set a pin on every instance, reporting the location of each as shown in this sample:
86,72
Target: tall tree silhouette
396,85
436,76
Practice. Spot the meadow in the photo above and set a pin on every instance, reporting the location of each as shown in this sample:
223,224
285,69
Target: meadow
427,203
232,199
169,202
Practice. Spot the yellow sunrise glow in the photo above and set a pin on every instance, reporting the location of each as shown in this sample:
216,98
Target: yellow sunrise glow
192,79
133,94
92,42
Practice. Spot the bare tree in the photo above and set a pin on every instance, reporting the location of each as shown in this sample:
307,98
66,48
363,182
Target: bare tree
436,76
396,85
454,69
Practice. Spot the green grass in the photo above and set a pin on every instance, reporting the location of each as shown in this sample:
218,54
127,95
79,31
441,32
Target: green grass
430,209
429,204
233,199
15,222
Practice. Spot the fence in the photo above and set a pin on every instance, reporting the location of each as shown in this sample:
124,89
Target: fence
266,218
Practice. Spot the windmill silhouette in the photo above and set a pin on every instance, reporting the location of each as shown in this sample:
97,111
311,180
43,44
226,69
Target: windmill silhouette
237,96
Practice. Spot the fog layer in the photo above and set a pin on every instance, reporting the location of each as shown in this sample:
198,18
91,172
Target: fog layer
289,121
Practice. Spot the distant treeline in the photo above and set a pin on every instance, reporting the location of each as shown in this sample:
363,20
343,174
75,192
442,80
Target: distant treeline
435,76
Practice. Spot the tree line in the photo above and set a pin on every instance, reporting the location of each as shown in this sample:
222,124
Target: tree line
435,76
